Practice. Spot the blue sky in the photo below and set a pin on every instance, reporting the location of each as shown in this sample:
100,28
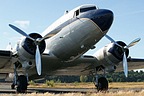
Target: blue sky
37,15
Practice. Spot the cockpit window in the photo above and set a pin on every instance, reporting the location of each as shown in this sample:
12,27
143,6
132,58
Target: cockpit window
87,9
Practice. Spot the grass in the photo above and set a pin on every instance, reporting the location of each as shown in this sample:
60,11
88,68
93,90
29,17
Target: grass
120,93
64,85
114,85
121,85
126,85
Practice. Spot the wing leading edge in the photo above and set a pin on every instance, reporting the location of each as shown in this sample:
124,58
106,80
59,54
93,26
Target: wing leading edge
133,63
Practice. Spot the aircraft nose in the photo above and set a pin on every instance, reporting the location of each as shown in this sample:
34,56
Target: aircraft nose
103,18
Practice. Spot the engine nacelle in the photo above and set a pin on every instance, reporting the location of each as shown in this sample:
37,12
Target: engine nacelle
26,48
110,69
110,55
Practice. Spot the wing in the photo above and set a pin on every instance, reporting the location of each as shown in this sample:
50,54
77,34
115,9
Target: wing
133,63
5,61
82,66
51,65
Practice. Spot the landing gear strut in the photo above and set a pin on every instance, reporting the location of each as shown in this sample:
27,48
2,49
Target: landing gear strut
101,83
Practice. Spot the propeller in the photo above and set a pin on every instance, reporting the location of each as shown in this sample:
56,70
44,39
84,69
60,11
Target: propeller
125,65
36,41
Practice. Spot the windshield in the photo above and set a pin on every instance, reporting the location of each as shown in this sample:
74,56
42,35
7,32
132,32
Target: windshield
87,9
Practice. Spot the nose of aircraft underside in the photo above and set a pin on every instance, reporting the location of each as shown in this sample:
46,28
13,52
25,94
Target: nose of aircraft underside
103,18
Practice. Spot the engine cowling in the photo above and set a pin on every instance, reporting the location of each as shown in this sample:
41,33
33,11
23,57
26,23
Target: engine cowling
26,48
111,55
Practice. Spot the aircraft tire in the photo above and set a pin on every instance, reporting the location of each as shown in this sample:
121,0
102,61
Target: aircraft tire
22,84
102,84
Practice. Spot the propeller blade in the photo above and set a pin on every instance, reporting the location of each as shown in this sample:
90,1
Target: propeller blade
108,37
125,65
112,40
20,31
38,60
133,42
45,37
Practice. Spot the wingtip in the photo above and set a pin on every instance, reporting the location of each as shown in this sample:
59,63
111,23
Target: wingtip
10,24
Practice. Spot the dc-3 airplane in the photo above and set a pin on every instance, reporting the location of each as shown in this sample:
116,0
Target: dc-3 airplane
60,49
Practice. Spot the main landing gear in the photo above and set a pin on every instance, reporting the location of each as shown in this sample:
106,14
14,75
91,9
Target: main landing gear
21,84
20,81
101,83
